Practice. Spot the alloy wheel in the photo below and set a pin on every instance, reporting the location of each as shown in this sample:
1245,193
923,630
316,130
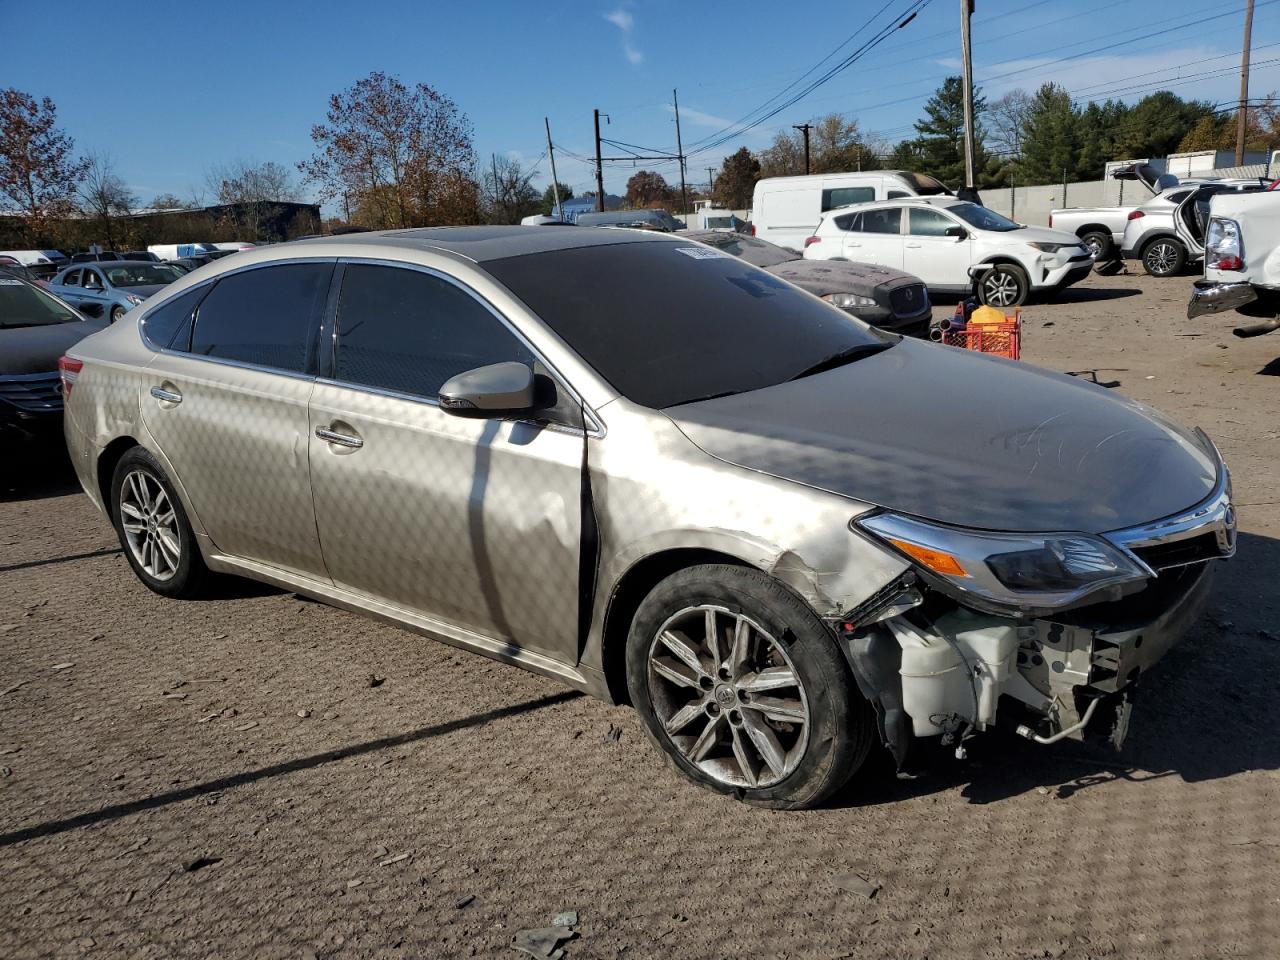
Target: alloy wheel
1161,258
728,697
1094,246
150,525
1000,289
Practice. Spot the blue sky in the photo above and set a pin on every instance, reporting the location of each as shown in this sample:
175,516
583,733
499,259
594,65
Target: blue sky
169,90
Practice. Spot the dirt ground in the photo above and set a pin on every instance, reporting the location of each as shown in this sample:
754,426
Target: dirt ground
223,778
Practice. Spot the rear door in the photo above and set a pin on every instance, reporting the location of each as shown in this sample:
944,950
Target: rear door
477,523
937,259
227,407
873,236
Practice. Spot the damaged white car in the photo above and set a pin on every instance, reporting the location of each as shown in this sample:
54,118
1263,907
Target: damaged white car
656,473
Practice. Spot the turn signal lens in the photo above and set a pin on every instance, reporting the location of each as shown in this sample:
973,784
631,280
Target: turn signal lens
935,560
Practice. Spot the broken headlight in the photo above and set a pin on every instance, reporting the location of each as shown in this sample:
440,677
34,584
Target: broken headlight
1034,570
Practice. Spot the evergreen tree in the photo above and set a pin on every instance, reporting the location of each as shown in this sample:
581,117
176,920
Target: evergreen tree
939,148
1051,143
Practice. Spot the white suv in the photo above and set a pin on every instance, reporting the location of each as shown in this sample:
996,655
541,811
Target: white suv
941,240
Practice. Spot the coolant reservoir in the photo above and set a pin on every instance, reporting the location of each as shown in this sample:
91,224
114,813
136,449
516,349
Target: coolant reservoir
990,644
935,683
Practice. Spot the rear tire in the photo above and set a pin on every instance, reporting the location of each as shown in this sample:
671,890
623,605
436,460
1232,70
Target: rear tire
1164,257
1100,245
153,528
770,713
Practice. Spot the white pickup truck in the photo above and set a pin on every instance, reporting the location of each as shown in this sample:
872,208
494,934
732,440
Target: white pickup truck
1242,260
1101,229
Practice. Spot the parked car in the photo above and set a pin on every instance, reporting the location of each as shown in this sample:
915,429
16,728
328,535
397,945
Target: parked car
889,299
1242,260
626,461
10,267
43,263
111,289
141,256
940,239
35,330
101,256
1167,232
786,210
235,245
176,251
713,219
1101,229
641,219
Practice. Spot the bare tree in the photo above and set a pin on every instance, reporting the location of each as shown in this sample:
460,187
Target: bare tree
251,193
508,195
401,156
38,170
1007,123
104,196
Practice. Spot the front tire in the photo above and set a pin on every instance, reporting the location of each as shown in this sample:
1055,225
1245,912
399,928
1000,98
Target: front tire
117,312
153,528
1004,285
744,689
1164,257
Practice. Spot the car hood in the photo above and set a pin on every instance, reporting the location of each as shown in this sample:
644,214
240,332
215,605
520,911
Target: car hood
1042,235
964,439
836,276
37,349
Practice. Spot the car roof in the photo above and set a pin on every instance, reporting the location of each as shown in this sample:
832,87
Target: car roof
936,200
478,244
110,264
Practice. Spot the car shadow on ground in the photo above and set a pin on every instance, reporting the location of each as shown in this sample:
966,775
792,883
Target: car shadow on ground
37,470
1205,713
1090,294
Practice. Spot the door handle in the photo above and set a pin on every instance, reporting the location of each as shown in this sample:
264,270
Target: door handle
341,439
168,396
913,246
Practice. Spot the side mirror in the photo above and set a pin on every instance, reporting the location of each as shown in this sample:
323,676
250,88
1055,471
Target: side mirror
960,233
492,392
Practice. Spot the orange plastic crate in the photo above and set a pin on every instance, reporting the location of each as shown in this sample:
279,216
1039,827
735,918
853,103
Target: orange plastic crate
1002,340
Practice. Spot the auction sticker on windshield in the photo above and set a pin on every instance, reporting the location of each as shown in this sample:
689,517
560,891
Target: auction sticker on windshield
703,253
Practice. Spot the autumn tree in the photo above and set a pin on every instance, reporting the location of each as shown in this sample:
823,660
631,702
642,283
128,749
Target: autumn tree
737,180
1006,122
104,196
401,155
647,188
39,172
836,145
1218,131
508,194
252,194
170,201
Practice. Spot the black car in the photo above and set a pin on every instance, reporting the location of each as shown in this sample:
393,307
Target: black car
36,329
88,257
140,256
889,299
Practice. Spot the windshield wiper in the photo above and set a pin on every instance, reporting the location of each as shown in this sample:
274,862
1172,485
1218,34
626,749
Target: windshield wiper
848,355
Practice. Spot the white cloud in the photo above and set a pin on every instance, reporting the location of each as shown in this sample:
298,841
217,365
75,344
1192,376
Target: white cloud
621,19
700,119
633,55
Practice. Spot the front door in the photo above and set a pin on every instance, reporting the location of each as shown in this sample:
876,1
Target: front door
227,405
473,522
937,259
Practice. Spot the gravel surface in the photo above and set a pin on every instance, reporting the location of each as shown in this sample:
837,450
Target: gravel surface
222,778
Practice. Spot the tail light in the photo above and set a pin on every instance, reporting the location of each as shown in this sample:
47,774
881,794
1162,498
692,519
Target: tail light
1051,221
810,241
1136,215
751,229
68,370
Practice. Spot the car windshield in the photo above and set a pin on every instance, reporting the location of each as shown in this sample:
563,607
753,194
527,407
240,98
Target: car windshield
142,275
982,218
672,322
23,305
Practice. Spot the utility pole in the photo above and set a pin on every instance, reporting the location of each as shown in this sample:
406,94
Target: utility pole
1244,84
804,128
599,169
966,10
711,179
555,184
684,192
494,158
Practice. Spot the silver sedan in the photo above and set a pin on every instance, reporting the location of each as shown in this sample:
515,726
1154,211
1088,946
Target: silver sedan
659,474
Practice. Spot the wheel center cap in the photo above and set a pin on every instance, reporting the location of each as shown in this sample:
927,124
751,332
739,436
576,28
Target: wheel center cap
725,695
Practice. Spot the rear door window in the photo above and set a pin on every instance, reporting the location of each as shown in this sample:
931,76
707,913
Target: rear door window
839,196
408,331
266,317
169,325
887,220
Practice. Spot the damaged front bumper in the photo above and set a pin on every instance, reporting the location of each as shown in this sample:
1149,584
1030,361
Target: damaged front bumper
962,671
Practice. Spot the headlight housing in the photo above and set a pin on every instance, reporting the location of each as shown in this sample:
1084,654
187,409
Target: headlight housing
133,299
849,301
1223,249
1046,247
1034,571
